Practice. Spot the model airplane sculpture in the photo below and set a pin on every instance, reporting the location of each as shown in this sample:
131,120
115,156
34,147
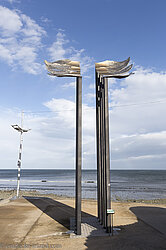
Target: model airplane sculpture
63,68
114,69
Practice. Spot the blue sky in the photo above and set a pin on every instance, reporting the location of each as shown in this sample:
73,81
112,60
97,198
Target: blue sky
88,31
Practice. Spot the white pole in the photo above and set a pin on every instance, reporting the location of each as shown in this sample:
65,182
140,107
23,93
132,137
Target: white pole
19,157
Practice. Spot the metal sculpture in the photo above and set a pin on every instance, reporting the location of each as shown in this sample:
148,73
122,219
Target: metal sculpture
62,68
105,70
68,68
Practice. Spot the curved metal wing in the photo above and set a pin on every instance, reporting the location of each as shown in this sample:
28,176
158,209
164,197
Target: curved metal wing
118,76
113,69
64,67
113,64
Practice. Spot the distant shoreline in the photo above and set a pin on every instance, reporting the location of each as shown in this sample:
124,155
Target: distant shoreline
8,194
125,185
73,169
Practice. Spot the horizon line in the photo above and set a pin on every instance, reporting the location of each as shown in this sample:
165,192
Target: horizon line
75,169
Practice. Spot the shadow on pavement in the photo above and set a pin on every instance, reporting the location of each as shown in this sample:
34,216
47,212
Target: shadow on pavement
58,211
137,236
153,216
140,235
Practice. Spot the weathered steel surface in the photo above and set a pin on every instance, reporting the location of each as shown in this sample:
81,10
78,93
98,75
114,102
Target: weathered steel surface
78,153
98,100
112,64
109,71
63,68
105,70
101,158
107,154
104,155
118,76
113,69
68,68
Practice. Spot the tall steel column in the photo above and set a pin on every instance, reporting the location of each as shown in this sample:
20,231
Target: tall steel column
98,107
105,70
68,68
107,153
78,152
103,152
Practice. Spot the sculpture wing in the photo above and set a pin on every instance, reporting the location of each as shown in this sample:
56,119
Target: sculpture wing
113,69
62,68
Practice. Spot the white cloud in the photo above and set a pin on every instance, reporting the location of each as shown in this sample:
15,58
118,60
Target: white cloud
13,1
20,40
90,96
45,19
112,80
48,145
57,50
92,86
138,122
61,49
143,87
20,44
137,133
51,141
5,54
10,22
31,28
65,111
69,85
139,145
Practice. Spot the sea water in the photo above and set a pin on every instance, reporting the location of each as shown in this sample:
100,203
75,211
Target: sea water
125,184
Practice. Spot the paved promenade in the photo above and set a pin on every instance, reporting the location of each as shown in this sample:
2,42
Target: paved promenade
43,223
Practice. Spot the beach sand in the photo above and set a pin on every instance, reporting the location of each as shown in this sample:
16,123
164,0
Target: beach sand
42,223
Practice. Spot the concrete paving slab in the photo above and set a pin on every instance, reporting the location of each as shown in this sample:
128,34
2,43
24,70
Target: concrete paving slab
90,227
16,220
42,220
